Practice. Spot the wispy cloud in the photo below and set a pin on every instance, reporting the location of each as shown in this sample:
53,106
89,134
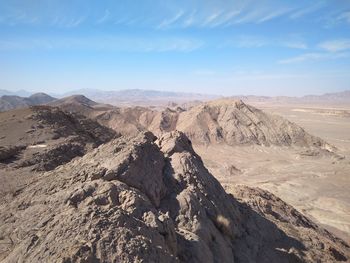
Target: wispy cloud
261,14
344,17
65,22
168,22
307,10
335,18
314,57
219,18
19,17
274,14
223,14
210,20
178,14
104,18
259,41
294,44
103,43
190,19
335,45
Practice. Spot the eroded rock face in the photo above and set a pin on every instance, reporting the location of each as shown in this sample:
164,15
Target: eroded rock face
148,200
44,137
225,121
236,123
207,221
8,152
277,232
94,209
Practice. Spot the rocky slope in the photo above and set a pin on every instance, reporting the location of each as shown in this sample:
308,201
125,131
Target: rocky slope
127,121
141,200
8,102
44,137
74,100
225,121
236,123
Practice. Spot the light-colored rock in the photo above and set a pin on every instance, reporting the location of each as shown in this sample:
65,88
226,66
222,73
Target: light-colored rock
236,123
141,200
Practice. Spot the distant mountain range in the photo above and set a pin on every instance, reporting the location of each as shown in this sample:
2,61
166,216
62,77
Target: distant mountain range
342,97
12,100
8,102
21,93
140,97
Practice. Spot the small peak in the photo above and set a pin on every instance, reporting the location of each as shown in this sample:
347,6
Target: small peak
40,98
147,136
225,102
39,94
239,104
175,141
79,99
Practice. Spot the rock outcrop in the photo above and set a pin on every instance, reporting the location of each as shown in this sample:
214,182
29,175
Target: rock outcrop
235,123
282,232
44,137
223,121
148,200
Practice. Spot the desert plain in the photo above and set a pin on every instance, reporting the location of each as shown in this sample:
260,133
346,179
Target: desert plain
318,186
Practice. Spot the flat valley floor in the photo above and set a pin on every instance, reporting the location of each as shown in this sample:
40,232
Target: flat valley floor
318,186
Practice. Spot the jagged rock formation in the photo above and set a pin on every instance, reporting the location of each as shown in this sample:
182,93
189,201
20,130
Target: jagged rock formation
125,121
296,238
8,102
164,121
235,123
141,200
8,152
44,137
225,121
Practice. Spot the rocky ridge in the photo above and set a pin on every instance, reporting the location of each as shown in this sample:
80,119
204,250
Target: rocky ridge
224,121
152,200
44,137
236,123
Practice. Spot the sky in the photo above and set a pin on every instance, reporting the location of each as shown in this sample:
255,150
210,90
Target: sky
226,47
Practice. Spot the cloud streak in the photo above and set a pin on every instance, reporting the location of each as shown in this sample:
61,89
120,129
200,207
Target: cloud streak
344,17
168,22
103,43
314,57
259,42
307,10
274,14
335,45
104,18
181,14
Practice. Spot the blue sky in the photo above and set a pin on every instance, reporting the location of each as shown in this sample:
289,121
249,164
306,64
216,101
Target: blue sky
210,46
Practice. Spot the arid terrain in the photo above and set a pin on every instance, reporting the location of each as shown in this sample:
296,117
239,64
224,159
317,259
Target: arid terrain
333,124
316,185
131,184
174,131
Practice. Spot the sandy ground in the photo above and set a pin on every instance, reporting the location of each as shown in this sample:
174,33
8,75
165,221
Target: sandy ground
317,186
